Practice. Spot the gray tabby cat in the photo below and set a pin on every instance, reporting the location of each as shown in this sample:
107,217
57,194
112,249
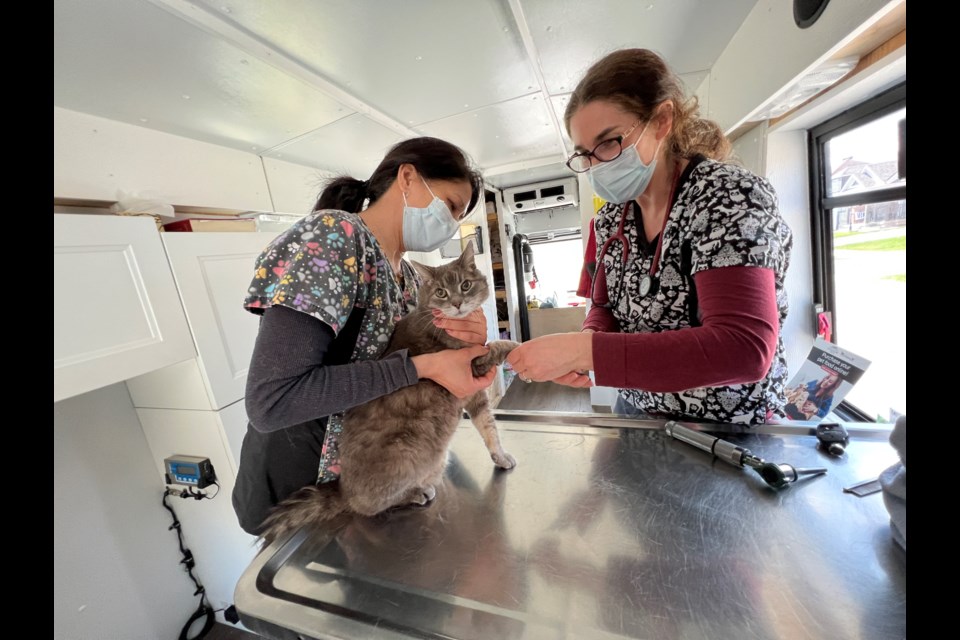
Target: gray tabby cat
393,450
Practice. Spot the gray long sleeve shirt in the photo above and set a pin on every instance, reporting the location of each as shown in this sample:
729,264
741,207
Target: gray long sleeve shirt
300,374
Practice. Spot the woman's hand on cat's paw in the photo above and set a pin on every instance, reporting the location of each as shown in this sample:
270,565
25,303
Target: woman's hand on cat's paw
451,369
553,357
472,329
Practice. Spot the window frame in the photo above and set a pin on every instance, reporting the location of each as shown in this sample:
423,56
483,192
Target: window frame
822,205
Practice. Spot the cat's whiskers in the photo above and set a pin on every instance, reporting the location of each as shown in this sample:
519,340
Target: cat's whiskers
428,326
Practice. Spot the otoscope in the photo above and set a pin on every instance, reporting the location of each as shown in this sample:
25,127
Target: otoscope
775,475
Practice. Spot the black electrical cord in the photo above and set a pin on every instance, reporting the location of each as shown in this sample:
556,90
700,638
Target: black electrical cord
204,610
190,492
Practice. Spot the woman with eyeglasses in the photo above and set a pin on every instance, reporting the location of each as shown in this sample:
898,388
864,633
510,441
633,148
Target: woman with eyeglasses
329,291
687,282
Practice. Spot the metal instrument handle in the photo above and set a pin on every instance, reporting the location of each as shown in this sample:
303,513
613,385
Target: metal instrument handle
722,449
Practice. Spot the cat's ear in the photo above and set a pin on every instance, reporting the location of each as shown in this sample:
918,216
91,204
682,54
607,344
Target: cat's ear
466,258
425,272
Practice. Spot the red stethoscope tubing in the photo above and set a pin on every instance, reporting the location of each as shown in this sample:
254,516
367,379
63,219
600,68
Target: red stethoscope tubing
656,256
646,284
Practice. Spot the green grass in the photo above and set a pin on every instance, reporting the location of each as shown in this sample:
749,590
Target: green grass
887,244
900,277
844,234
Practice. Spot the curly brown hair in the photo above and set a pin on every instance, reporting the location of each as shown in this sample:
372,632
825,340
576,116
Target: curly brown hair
639,81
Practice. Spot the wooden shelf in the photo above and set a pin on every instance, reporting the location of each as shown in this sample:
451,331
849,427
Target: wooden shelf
498,265
503,324
492,217
501,295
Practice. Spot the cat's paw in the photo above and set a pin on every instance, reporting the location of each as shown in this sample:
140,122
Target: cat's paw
481,365
503,459
500,349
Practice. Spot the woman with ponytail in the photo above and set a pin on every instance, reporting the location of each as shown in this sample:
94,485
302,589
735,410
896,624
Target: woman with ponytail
686,271
329,291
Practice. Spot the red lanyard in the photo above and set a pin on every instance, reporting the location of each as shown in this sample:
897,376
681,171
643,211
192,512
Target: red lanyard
673,190
646,283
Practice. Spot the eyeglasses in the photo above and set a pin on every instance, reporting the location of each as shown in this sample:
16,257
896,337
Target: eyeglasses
605,151
598,292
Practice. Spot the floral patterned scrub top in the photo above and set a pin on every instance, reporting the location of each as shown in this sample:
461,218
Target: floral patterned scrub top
723,216
327,265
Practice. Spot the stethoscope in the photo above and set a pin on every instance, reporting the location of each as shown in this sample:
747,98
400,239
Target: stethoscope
650,281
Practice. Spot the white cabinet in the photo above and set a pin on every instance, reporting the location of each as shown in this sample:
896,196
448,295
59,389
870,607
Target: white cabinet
115,305
212,272
196,408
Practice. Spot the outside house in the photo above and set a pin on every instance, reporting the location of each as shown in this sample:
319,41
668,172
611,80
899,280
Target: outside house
869,275
852,176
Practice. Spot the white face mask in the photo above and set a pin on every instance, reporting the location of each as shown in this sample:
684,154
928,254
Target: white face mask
625,178
427,228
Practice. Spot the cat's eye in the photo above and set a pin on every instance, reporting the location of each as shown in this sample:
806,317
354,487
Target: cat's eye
465,285
441,293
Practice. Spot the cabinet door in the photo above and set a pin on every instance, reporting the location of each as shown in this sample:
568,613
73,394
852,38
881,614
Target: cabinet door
115,306
213,271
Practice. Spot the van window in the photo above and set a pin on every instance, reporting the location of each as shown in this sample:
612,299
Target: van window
859,208
558,264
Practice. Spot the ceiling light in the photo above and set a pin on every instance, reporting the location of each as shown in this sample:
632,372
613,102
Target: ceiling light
821,78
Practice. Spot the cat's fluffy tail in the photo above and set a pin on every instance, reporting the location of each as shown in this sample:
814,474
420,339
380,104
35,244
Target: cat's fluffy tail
310,506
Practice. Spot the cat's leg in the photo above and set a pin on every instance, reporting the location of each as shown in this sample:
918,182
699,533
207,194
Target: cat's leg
385,487
432,478
372,503
376,488
419,495
425,489
499,350
478,406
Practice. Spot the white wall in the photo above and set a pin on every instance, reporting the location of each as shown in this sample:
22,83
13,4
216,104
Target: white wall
293,187
782,158
115,564
96,159
769,53
750,149
210,527
786,164
113,553
786,155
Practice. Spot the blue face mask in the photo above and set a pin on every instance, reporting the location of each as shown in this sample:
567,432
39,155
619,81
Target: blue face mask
625,178
427,228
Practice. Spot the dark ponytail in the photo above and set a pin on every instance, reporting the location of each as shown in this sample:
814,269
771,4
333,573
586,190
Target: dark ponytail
433,158
343,193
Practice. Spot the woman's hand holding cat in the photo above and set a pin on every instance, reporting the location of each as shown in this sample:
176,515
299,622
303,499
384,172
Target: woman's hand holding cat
451,370
560,357
472,329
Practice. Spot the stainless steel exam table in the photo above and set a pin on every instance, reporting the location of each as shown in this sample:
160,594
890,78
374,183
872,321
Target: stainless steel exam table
607,528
